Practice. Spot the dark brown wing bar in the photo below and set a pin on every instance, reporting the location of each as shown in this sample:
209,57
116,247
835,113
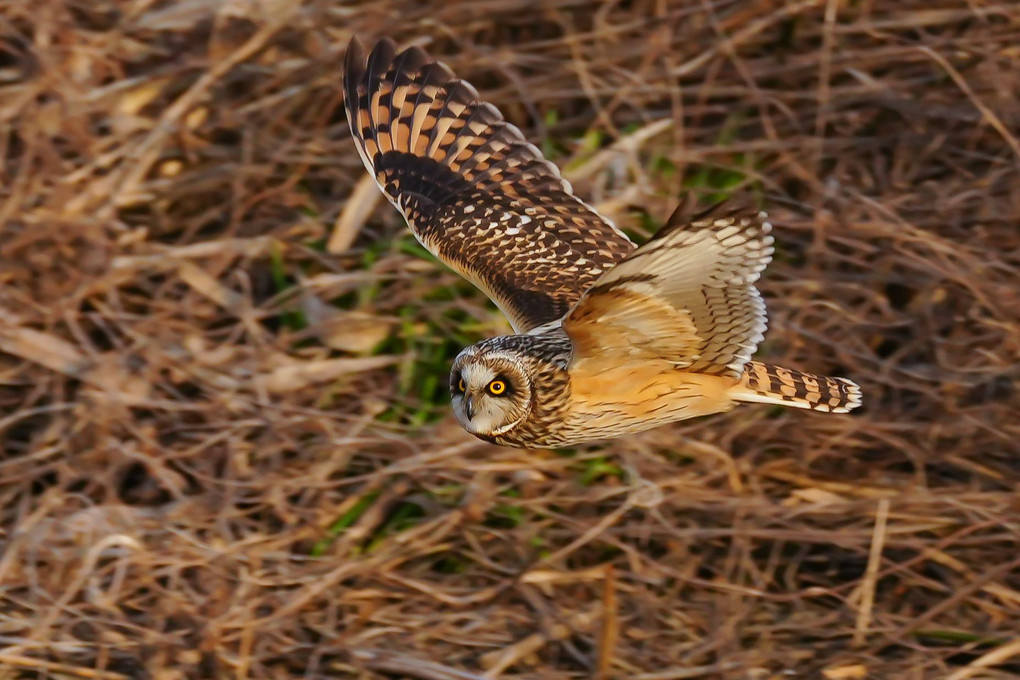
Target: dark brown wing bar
472,189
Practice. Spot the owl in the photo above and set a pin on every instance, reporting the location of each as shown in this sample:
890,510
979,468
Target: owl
609,338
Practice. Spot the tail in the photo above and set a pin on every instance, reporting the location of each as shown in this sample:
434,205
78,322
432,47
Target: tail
765,384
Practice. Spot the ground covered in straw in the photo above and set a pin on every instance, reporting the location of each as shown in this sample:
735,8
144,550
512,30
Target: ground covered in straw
226,445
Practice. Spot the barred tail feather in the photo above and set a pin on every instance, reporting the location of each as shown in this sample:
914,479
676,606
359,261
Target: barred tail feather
765,384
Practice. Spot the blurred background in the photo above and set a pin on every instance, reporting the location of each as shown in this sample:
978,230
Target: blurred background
226,448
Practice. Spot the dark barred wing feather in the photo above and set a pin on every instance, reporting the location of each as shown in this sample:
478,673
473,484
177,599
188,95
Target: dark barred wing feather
472,189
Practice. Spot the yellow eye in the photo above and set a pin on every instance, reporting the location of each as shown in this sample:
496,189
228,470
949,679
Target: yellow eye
460,385
497,387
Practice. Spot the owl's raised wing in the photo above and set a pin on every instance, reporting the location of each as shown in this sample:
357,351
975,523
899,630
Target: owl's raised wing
474,192
686,296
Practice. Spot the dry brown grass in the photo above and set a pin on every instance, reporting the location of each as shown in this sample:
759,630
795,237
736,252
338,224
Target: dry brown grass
192,393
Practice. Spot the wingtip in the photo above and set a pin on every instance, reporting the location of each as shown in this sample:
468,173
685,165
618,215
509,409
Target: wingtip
686,214
355,43
678,219
354,70
355,54
382,55
356,63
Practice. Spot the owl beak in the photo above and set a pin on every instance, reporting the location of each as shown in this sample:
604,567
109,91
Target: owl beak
469,407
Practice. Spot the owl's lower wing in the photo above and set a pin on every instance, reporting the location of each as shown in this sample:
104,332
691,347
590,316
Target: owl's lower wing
686,296
474,192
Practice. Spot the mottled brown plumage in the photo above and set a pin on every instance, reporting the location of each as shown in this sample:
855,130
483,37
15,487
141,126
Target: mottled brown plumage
473,190
613,338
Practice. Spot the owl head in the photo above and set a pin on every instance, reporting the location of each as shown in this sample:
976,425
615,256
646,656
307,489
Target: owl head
491,389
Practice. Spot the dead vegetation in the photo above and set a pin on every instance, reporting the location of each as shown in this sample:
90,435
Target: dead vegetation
226,449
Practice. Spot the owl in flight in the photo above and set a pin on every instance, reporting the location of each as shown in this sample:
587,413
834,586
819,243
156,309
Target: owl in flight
610,338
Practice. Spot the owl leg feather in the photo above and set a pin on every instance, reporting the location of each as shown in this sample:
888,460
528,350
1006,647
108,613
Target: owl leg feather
766,384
